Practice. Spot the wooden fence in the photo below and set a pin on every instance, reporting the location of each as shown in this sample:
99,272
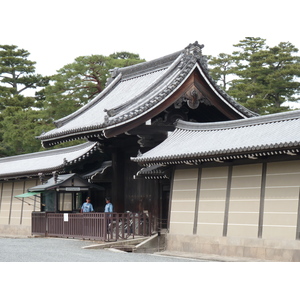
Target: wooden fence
95,226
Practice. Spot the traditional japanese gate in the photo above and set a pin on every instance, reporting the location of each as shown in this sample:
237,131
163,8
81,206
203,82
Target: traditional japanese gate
95,226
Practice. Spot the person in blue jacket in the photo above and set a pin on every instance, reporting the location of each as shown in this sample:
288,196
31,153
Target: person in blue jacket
108,207
87,206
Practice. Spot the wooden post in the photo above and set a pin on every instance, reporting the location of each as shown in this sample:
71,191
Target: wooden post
117,191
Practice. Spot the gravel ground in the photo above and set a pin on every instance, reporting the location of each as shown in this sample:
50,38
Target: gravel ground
70,250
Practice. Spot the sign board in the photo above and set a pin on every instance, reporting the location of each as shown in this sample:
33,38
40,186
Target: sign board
72,189
66,217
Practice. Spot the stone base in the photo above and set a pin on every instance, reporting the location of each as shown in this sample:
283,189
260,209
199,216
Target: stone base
263,249
15,231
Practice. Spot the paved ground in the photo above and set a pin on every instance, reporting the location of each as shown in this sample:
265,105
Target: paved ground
72,250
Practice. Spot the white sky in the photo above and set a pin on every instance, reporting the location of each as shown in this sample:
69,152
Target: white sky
56,32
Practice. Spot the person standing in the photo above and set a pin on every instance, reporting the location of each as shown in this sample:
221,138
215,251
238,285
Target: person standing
108,207
87,206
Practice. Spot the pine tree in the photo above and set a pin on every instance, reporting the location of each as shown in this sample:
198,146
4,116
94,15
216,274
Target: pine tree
17,77
263,79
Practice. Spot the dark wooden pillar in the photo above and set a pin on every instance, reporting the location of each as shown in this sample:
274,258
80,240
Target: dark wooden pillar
117,191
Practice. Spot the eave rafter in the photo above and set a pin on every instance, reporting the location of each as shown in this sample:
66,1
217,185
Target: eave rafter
222,158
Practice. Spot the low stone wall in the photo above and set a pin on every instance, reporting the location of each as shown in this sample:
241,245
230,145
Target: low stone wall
15,230
264,249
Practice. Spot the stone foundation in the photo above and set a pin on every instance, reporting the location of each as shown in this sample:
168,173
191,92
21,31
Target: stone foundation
263,249
15,231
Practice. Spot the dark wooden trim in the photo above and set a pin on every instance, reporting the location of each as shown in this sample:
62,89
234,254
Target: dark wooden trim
228,190
262,200
117,188
197,200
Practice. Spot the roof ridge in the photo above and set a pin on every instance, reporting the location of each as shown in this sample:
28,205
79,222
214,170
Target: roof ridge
142,74
222,125
145,67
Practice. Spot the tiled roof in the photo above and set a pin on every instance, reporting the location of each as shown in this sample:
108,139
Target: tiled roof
51,183
133,91
63,181
220,141
154,172
44,161
105,165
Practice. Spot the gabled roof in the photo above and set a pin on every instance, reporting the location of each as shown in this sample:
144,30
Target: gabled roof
64,181
52,183
44,161
134,92
220,141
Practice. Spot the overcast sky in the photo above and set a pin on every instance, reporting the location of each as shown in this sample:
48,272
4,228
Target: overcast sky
56,32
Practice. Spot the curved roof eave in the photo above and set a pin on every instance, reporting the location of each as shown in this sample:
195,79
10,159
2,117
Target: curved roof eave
89,105
165,93
133,114
245,138
178,66
31,164
119,119
235,106
117,75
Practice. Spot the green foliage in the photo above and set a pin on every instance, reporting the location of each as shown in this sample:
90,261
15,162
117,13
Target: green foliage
18,114
262,78
18,132
124,59
17,72
222,68
24,117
